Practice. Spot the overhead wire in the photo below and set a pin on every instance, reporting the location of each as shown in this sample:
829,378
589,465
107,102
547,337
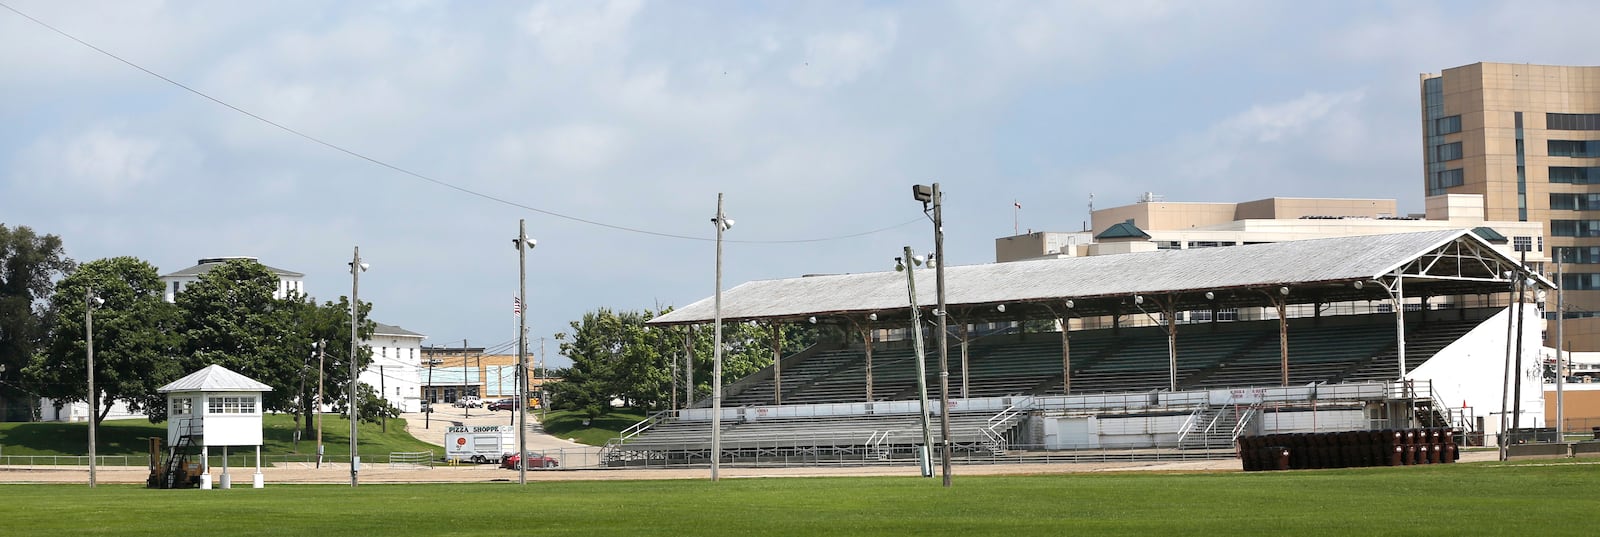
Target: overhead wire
418,175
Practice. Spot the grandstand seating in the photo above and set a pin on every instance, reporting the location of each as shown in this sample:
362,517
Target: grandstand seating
1243,354
1210,356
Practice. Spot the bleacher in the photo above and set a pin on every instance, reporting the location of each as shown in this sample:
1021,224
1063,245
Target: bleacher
1209,356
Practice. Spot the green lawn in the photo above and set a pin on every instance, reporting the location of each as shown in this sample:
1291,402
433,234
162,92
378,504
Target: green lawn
1460,499
569,424
127,437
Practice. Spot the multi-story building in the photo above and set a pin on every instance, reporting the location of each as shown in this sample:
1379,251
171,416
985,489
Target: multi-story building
1153,224
1527,139
176,282
396,366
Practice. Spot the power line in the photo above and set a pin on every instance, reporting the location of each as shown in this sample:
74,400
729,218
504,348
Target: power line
418,175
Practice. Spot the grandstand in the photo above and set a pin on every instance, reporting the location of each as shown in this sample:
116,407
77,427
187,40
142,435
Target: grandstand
1160,388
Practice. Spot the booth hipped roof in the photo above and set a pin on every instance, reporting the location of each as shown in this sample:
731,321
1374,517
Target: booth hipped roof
215,378
1432,263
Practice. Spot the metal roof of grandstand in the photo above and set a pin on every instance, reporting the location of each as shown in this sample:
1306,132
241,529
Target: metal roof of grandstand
1434,263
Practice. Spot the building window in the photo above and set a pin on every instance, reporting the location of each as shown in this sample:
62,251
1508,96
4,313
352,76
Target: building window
1522,244
1447,125
1576,254
1580,281
1450,151
1575,202
231,405
1574,148
1445,179
1572,122
1575,228
1575,175
1209,244
182,406
1169,245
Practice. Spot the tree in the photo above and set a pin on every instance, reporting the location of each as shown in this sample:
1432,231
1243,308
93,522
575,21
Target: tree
29,265
135,332
616,356
232,319
306,324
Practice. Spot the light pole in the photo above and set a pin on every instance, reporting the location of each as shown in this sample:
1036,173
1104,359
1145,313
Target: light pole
908,264
356,268
523,244
89,302
930,195
722,223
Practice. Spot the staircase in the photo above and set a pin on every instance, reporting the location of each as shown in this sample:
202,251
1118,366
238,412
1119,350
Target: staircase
174,473
1215,427
994,431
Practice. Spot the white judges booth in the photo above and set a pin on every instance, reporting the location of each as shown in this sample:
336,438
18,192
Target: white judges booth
215,408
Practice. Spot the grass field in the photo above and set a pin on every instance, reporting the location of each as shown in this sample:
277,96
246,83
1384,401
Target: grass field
127,437
1461,499
569,424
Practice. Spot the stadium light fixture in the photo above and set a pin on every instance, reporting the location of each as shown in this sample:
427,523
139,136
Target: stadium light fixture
1000,308
872,317
1210,295
933,205
1069,304
1283,291
1357,285
1138,300
813,320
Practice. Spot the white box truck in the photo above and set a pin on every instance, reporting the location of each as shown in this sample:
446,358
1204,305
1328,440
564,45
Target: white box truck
479,443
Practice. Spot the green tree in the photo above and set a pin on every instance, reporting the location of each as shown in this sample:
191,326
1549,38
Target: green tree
232,319
306,323
135,333
29,265
615,355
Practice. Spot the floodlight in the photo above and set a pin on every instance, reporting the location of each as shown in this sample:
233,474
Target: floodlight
872,317
1000,308
1069,304
813,320
1283,291
1210,295
1356,285
1138,299
922,193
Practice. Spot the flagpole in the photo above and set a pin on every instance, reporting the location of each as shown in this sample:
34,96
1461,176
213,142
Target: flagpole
1016,208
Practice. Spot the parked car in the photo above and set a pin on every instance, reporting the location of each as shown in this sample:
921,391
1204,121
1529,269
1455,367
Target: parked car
513,461
503,404
468,402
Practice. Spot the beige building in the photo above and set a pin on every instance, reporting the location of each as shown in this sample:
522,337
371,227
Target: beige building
1527,139
456,372
1153,224
1163,225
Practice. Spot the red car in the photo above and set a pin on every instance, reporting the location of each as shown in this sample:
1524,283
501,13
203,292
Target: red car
535,460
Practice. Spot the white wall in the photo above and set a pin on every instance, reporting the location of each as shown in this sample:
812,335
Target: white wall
1311,422
402,372
79,411
1471,370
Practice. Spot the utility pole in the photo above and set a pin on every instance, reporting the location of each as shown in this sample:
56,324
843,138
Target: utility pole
356,267
1516,402
523,244
427,395
931,195
1561,376
88,325
383,419
466,404
722,223
321,357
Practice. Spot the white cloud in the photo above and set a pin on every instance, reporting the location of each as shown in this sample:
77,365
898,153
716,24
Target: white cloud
104,161
835,59
571,31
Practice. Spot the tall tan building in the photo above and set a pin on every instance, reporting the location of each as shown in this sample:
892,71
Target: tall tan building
1527,138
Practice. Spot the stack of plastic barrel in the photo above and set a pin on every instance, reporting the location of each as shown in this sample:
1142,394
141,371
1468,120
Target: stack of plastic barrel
1348,449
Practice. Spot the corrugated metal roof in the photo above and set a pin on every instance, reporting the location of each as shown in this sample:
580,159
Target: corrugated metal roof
1164,271
214,378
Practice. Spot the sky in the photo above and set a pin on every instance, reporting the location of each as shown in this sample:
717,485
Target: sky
427,129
